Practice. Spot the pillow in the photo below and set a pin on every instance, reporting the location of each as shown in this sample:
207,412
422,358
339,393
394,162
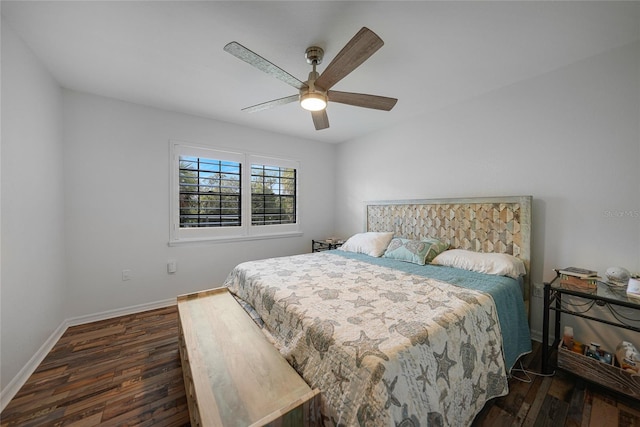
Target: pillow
416,251
370,243
489,263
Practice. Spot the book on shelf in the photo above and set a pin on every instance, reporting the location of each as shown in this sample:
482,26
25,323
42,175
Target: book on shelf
582,273
589,284
633,289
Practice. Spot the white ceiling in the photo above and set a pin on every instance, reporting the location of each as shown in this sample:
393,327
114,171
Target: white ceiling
169,54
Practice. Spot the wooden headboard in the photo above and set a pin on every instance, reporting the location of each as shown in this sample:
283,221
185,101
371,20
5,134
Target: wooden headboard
484,224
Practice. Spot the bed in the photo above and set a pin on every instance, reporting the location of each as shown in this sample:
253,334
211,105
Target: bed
389,341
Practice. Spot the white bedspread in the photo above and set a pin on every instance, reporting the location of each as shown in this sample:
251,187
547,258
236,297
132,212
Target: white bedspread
385,347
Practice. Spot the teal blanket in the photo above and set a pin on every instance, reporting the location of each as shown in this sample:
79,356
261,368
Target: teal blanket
505,291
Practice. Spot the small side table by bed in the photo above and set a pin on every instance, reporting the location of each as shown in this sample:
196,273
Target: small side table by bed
555,299
325,245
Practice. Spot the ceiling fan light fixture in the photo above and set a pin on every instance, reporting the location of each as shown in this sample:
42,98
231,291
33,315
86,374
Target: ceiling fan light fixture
315,98
313,101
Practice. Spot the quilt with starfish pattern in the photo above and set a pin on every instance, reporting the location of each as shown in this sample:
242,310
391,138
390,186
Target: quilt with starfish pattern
384,346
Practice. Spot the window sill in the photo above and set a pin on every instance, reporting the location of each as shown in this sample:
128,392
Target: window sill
230,239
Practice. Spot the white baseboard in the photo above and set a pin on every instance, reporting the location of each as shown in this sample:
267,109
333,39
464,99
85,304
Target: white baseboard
536,335
29,368
110,314
23,375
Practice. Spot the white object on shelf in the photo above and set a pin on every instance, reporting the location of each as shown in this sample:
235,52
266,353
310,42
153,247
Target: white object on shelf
568,337
618,275
633,288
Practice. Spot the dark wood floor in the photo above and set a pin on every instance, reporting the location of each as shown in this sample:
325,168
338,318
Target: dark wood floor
122,372
558,400
126,371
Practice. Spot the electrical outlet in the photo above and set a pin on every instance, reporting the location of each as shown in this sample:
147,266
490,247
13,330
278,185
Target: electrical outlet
538,290
126,275
172,266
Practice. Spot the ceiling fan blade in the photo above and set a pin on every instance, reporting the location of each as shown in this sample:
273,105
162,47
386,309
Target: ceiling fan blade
320,119
271,104
252,58
362,100
364,44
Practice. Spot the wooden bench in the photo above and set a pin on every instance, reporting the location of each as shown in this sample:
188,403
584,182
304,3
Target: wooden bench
233,375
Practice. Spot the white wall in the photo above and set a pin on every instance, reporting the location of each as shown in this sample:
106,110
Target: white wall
570,138
85,194
32,239
117,202
94,197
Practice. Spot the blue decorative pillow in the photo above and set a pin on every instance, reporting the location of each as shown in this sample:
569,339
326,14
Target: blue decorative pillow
418,252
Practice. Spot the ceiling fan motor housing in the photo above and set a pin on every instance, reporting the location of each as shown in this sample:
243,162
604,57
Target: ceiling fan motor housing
314,55
312,98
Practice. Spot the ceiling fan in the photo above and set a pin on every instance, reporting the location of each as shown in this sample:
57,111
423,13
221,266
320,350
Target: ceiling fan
315,93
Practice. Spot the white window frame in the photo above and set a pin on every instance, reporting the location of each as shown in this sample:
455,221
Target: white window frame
266,230
190,235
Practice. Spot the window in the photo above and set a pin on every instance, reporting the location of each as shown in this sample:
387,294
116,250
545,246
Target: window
273,195
216,196
210,191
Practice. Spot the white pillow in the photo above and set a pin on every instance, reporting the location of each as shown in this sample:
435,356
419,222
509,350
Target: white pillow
370,243
489,263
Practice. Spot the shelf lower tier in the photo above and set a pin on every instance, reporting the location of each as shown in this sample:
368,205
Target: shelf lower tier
609,376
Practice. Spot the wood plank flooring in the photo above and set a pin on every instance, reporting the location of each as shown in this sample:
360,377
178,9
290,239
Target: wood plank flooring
558,400
126,372
116,372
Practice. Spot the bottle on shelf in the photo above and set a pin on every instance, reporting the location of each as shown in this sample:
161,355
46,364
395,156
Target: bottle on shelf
567,339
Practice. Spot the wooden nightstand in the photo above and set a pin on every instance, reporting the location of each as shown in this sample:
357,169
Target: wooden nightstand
325,244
